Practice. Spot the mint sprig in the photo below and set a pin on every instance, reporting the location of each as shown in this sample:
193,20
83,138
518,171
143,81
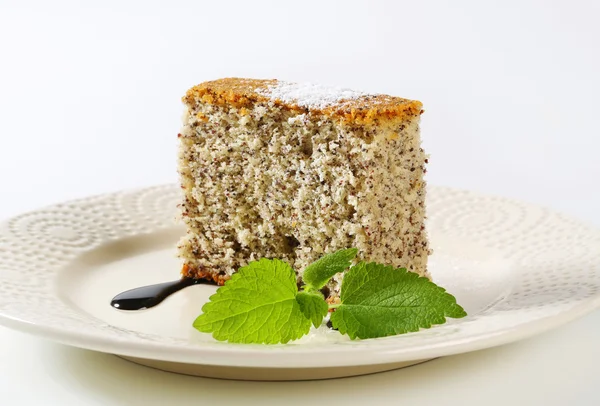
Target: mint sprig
317,274
313,306
379,301
257,305
261,302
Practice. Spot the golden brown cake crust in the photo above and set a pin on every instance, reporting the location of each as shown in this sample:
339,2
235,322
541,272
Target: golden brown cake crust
188,271
239,92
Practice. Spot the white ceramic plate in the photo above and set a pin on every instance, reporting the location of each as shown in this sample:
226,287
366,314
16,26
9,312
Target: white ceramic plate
517,269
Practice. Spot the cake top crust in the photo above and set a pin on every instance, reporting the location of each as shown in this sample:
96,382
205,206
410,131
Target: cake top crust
344,104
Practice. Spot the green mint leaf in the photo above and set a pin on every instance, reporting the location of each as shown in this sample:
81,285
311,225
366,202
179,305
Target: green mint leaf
257,305
378,301
317,274
313,306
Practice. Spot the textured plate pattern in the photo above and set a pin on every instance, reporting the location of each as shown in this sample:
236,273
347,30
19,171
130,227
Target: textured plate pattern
558,261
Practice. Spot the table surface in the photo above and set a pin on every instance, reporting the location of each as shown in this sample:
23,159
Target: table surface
89,96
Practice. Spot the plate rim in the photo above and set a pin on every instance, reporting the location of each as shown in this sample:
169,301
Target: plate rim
243,355
351,356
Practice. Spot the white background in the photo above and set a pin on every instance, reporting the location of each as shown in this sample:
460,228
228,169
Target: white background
90,103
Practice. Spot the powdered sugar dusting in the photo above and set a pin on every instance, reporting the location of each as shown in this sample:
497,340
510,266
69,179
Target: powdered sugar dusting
309,95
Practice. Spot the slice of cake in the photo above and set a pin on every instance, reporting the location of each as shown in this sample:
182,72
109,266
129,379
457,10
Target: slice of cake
292,171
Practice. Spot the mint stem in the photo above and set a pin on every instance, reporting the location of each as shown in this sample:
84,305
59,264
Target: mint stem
335,306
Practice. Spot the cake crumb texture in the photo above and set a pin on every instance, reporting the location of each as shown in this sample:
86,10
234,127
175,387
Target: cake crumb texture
292,171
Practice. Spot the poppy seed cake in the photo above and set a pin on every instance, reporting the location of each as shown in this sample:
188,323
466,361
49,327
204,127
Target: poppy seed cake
293,171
